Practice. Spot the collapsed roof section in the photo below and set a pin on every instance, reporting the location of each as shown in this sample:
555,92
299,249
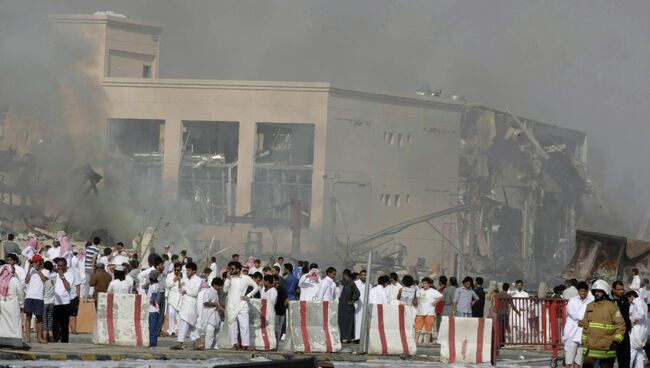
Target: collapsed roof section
528,179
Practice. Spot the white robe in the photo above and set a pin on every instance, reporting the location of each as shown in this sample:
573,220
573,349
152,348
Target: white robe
172,292
191,286
309,290
391,293
638,317
236,287
378,295
327,290
575,311
636,283
358,309
10,316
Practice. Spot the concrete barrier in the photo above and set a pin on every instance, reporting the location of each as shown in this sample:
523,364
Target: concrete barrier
392,330
262,321
465,340
86,316
261,317
122,319
313,327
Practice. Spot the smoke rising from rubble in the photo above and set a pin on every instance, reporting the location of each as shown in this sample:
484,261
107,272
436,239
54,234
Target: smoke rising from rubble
577,64
52,102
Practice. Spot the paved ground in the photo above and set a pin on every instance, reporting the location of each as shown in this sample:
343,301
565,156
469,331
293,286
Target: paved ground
81,353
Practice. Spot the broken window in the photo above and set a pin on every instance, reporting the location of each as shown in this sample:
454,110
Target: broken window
283,172
135,155
208,172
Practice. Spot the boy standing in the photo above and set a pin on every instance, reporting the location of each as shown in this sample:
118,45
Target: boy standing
48,301
154,309
34,305
427,300
211,317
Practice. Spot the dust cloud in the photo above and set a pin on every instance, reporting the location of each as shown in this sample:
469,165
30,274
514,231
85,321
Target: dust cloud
579,64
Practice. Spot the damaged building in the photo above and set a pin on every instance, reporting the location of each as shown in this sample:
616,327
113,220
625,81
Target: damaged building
307,169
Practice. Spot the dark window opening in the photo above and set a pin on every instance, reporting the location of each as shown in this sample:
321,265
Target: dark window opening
208,172
283,172
146,71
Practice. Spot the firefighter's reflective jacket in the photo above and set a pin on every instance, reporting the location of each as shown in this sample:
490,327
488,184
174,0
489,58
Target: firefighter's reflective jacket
602,325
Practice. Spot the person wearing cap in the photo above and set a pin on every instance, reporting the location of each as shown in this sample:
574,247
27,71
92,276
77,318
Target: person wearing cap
119,285
34,305
603,328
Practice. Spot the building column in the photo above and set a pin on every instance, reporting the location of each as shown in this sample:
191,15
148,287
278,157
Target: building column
245,166
173,137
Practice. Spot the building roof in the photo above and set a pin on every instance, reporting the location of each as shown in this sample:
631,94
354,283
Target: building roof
106,18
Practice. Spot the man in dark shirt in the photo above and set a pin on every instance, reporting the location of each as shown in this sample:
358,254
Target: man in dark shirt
349,295
479,307
623,352
291,281
11,247
281,305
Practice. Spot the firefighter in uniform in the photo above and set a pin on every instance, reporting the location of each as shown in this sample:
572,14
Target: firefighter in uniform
603,328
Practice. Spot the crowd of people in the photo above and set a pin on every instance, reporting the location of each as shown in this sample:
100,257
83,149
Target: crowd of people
41,286
605,324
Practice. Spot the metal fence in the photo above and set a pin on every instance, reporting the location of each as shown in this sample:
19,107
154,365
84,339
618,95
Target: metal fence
528,322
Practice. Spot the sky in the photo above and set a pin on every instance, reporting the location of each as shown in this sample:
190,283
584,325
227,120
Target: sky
581,64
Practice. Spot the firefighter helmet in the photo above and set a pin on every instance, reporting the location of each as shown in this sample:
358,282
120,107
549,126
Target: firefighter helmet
600,285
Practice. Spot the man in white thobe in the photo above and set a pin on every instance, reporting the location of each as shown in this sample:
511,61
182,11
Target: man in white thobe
237,304
378,294
11,297
635,284
572,334
328,286
639,332
173,295
309,285
189,289
519,322
393,288
360,282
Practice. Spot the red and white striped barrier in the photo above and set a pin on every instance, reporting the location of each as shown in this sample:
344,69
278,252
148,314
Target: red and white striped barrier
313,327
122,319
389,325
465,340
261,319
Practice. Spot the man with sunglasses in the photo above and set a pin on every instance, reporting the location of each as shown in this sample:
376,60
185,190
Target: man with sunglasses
237,304
173,293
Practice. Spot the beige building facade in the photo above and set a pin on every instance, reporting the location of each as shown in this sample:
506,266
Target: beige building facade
287,168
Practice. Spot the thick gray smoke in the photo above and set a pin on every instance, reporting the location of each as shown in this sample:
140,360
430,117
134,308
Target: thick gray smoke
579,64
54,108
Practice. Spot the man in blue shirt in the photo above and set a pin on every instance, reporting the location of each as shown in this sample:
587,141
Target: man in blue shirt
291,280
